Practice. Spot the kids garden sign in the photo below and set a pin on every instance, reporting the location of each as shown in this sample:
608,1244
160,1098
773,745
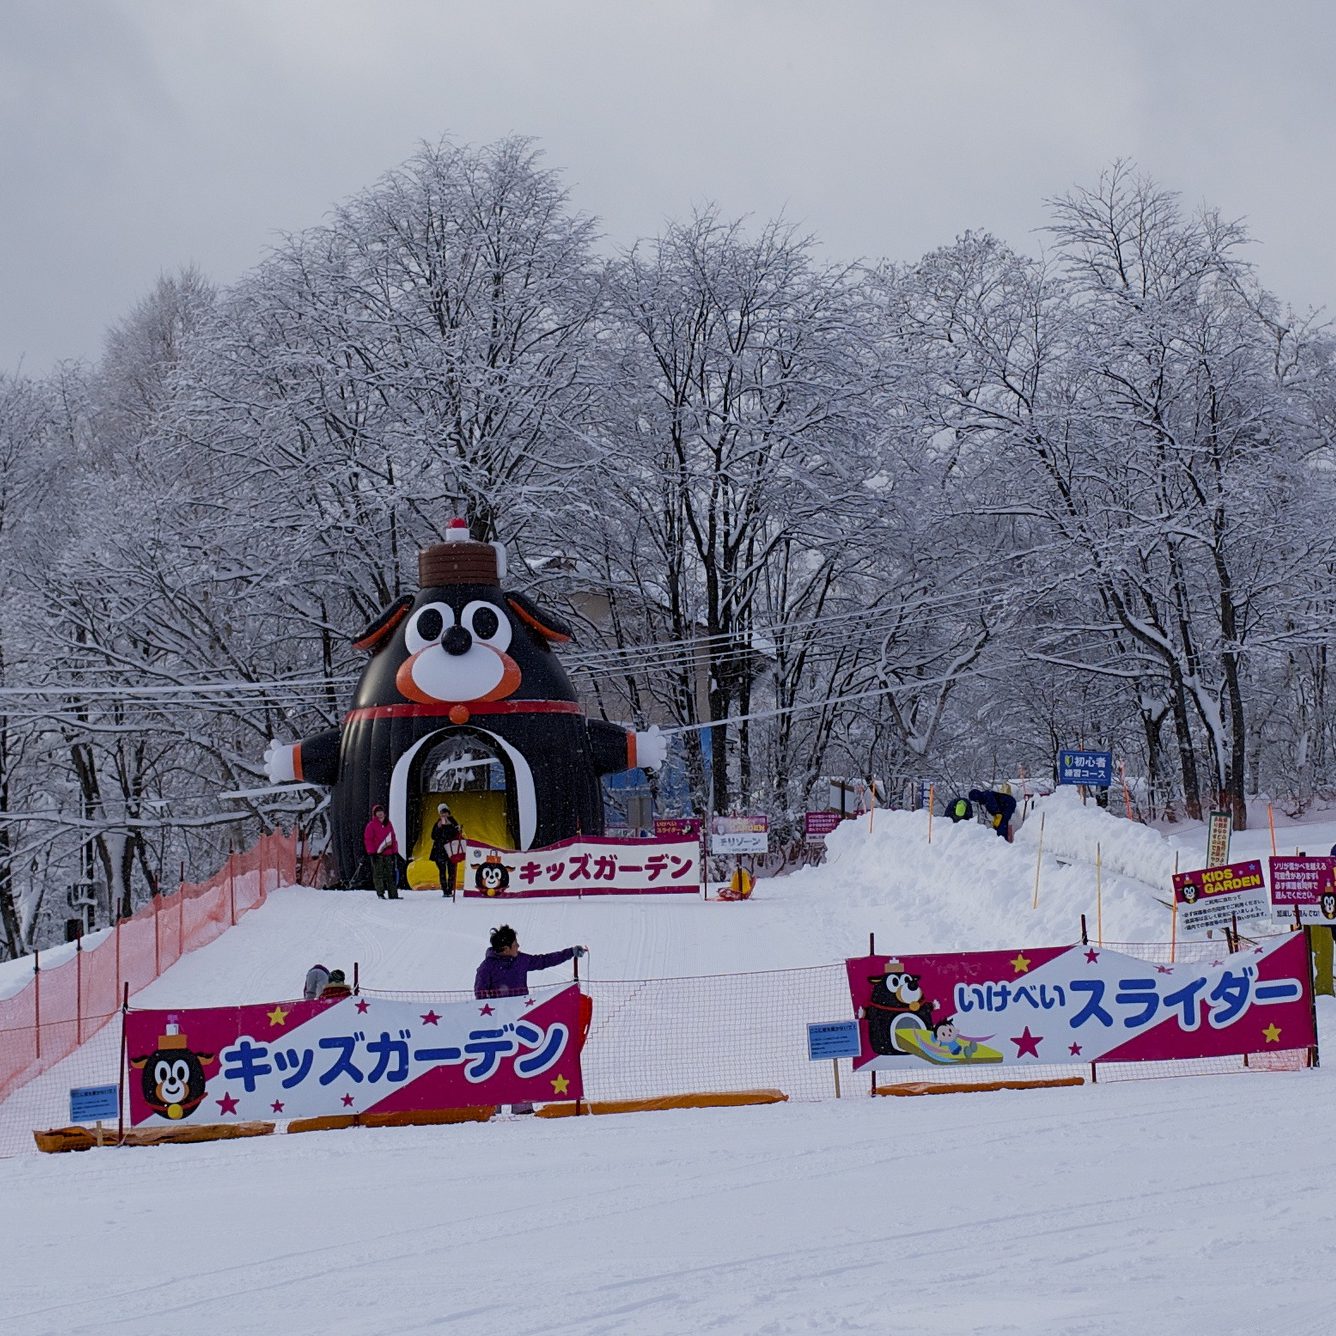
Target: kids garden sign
1212,897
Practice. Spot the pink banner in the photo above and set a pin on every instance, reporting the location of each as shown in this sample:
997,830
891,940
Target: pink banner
1078,1004
585,867
353,1055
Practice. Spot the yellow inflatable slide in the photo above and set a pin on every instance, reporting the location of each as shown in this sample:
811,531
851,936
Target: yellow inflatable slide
481,813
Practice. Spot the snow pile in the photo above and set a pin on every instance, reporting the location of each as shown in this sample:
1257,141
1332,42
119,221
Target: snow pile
1075,832
969,890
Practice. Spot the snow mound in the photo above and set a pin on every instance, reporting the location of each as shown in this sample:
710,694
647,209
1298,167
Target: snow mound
1074,832
970,890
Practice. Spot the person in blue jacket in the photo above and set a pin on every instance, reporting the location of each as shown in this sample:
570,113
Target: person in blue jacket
1001,807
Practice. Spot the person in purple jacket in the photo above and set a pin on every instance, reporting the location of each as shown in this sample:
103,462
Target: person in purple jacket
504,971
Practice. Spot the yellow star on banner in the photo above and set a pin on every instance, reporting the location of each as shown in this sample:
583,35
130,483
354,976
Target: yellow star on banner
277,1016
1021,963
559,1084
1272,1033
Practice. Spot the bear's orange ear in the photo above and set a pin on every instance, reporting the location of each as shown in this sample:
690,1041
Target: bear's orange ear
383,627
547,626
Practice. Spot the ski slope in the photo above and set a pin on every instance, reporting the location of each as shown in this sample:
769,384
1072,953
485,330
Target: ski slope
1158,1205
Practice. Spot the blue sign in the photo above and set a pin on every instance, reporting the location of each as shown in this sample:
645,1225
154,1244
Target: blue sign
833,1039
93,1104
1086,767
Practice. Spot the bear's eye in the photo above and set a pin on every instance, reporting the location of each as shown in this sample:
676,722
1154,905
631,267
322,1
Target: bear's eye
181,1071
162,1071
488,623
427,625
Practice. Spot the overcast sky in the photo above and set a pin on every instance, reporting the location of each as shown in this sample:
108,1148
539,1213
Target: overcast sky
137,136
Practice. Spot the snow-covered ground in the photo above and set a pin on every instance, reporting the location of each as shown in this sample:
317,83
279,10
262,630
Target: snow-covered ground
1157,1205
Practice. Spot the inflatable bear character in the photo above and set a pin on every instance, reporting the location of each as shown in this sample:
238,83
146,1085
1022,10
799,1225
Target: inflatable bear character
464,658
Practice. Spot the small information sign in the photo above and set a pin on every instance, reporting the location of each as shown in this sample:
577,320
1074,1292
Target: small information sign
677,827
1218,829
739,834
832,1039
1093,768
1304,884
94,1104
817,825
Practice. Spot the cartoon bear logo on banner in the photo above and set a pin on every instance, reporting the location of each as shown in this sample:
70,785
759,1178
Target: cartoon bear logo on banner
897,1006
462,659
492,876
173,1079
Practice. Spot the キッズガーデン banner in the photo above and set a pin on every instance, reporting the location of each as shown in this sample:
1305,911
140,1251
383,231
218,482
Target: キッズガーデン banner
1078,1004
353,1055
585,867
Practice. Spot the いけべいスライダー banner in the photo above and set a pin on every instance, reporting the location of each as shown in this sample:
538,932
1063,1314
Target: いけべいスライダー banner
1078,1004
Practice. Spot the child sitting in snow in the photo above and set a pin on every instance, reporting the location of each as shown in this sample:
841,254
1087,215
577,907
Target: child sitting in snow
337,986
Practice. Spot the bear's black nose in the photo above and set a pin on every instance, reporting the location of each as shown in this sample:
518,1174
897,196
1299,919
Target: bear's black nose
457,641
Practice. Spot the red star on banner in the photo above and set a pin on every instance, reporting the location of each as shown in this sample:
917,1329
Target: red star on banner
347,1101
277,1106
430,1018
1075,1051
228,1103
485,1010
1027,1043
1092,956
1215,964
528,1002
1164,969
361,1006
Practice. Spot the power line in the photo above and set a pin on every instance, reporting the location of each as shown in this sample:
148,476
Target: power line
716,649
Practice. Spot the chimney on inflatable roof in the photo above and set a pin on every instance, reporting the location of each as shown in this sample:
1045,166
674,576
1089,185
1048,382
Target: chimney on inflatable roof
461,560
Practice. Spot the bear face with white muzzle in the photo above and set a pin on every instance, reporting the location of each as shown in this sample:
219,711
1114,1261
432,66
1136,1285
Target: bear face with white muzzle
464,658
458,654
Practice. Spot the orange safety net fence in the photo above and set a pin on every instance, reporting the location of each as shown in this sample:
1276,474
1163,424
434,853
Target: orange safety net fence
62,1008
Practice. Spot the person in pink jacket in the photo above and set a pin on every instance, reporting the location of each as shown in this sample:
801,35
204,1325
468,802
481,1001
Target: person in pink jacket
381,846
